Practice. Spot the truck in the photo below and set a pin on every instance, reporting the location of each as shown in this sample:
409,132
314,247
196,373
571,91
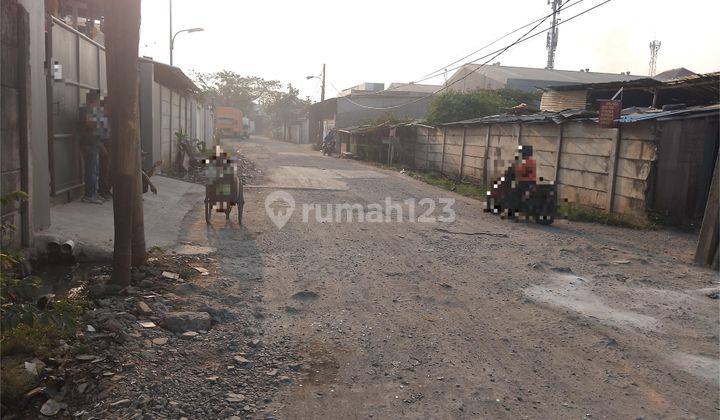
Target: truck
229,122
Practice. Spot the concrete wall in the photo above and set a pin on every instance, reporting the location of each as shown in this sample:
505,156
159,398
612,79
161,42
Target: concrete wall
159,121
39,169
593,164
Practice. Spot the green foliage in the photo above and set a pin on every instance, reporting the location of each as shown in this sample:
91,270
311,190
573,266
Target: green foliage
577,213
387,118
30,330
11,286
282,105
228,88
456,106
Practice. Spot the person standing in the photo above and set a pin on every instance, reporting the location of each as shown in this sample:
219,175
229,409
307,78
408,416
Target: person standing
90,131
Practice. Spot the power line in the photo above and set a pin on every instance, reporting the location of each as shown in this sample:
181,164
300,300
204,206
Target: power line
498,52
444,69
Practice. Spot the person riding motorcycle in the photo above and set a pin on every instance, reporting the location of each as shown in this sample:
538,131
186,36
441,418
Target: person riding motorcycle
328,146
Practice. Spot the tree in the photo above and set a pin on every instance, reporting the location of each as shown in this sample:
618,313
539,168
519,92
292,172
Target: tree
228,88
282,106
122,37
456,106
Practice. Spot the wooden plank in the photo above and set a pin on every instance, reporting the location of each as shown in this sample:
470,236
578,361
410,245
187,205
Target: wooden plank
706,253
612,170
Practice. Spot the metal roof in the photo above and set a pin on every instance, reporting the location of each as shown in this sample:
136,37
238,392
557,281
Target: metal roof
644,82
413,87
173,77
557,117
695,111
503,73
673,74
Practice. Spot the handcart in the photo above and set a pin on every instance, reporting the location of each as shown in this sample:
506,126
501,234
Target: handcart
224,188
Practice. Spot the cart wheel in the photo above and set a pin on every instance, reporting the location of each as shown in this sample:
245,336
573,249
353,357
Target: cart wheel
208,212
240,206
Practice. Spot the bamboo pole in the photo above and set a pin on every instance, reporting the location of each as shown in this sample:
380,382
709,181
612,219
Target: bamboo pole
122,37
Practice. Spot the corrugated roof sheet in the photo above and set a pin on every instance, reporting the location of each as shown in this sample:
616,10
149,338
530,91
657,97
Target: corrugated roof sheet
581,114
503,73
557,117
644,82
676,113
413,87
173,77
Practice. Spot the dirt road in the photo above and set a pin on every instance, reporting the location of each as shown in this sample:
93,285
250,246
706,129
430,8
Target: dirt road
442,320
475,318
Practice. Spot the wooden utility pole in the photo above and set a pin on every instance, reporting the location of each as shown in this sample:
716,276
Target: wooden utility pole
122,36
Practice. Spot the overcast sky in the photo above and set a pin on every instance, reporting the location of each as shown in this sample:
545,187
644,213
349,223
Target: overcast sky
400,41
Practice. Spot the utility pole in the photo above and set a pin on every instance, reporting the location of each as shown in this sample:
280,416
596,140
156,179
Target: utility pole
552,36
171,35
322,88
654,48
122,37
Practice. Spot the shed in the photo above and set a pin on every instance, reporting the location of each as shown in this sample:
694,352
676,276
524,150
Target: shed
648,92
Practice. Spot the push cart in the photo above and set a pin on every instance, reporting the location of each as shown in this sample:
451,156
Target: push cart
224,188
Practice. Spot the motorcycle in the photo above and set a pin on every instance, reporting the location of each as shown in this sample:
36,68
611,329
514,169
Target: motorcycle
328,148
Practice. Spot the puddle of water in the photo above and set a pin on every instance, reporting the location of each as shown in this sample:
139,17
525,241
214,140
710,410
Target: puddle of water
61,279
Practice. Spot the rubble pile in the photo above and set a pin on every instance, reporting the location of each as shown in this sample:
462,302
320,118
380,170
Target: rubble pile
247,168
166,347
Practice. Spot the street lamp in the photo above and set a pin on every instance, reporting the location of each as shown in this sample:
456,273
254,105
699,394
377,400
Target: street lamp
172,40
322,80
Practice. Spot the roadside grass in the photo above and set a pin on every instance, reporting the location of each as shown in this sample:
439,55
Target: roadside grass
33,331
575,213
461,187
437,179
29,332
569,211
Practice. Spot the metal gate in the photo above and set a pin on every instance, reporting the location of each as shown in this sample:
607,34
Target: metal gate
77,66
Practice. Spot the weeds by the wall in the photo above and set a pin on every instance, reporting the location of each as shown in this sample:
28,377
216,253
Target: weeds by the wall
462,187
576,213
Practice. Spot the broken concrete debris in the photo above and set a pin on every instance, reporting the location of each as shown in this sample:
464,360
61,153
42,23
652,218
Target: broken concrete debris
180,322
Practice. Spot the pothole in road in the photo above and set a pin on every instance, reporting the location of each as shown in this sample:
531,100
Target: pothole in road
306,296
